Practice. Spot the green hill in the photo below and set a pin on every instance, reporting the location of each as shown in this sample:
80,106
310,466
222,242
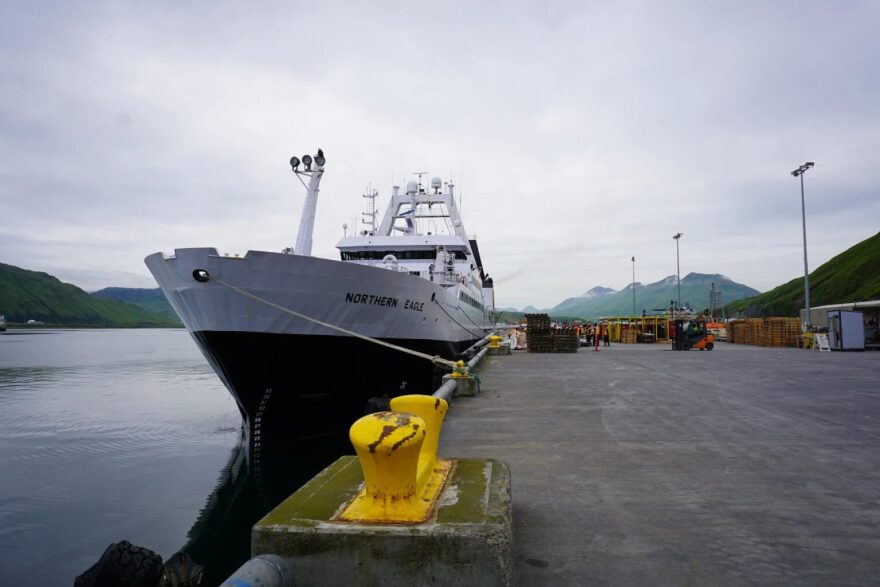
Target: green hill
151,300
513,316
851,276
32,295
695,288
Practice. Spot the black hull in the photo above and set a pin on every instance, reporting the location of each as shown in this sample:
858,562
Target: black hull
293,387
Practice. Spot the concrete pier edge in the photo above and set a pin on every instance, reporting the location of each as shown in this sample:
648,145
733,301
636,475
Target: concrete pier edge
468,541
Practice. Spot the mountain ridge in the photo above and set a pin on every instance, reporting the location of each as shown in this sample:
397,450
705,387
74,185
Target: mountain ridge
35,295
601,301
150,299
850,276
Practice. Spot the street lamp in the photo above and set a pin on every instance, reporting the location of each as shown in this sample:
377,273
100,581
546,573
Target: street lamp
634,286
799,172
677,236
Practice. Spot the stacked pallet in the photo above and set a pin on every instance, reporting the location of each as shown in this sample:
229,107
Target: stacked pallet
543,339
629,336
769,332
731,331
540,335
782,332
537,322
758,331
565,341
742,332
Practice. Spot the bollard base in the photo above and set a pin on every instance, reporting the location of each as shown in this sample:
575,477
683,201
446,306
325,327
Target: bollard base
467,541
503,349
465,386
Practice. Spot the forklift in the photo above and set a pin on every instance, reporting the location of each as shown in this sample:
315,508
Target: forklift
692,334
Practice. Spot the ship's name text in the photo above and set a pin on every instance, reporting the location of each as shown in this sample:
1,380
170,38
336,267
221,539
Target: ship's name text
362,298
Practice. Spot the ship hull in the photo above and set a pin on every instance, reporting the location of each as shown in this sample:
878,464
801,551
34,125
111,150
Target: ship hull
291,376
291,387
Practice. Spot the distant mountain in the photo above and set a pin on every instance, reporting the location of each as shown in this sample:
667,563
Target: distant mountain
530,310
151,300
593,295
695,288
598,291
851,276
32,295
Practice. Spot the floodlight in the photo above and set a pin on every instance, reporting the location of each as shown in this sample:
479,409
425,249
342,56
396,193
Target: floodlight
307,161
294,162
319,158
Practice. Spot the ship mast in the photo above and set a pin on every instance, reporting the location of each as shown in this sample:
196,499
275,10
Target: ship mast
369,218
307,219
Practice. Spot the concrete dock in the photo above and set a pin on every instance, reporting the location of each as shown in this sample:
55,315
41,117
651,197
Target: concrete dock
637,465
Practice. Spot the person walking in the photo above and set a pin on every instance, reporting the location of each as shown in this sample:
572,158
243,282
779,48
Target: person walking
605,339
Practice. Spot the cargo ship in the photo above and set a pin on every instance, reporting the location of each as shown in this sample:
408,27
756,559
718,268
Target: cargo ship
287,332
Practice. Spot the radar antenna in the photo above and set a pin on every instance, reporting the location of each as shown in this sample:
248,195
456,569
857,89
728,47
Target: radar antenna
420,174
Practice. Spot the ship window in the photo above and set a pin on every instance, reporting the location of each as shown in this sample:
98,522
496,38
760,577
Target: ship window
375,255
470,301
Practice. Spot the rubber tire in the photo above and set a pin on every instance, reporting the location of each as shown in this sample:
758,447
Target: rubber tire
123,563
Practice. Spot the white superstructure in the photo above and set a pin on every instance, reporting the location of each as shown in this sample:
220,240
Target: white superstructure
422,234
415,279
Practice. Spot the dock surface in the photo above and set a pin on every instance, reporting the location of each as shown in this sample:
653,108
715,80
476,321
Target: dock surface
637,465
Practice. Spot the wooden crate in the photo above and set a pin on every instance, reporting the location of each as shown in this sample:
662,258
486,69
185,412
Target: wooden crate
629,336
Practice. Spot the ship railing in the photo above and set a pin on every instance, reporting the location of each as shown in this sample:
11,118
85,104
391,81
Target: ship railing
448,388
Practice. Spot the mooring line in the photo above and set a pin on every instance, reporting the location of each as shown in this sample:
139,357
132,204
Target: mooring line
456,321
469,318
202,275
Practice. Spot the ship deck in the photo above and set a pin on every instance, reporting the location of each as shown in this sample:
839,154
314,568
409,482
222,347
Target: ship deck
637,465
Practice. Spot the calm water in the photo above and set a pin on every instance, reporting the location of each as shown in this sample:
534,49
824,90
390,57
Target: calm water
125,434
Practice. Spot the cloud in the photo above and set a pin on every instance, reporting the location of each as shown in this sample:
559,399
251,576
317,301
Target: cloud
578,134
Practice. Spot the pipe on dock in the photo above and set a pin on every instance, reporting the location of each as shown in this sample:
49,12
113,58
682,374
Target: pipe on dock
446,390
473,362
265,570
479,344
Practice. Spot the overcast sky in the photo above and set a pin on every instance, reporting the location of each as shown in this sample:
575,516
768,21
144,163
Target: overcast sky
580,134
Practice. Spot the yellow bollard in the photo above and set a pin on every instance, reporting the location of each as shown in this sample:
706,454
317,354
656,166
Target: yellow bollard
493,342
460,369
433,411
398,455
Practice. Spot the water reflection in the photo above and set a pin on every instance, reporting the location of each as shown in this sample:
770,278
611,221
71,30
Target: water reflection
248,487
108,435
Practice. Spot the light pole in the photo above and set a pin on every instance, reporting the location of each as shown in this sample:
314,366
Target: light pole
799,172
634,286
677,236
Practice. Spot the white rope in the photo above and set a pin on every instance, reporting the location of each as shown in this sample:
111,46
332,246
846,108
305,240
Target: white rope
433,359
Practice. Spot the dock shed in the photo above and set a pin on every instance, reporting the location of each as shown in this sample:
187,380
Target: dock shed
870,317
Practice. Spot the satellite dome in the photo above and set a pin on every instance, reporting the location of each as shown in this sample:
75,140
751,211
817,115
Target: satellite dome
436,182
412,187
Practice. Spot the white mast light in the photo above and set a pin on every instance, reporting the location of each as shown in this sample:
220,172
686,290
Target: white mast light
307,219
